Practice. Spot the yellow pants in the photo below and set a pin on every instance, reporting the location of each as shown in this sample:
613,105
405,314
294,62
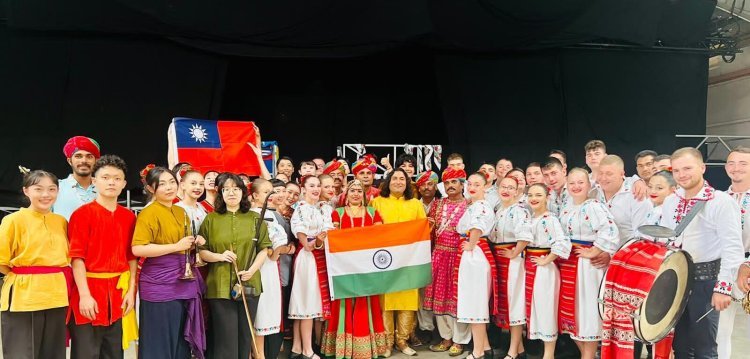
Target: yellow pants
404,326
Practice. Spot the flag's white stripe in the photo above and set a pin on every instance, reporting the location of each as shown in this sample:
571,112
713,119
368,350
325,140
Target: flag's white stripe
362,261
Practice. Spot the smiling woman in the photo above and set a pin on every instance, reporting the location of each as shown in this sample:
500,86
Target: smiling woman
26,314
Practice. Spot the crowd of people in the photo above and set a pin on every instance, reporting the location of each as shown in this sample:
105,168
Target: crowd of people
223,265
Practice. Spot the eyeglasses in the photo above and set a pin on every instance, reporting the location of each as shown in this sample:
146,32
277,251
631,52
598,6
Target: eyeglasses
508,188
231,190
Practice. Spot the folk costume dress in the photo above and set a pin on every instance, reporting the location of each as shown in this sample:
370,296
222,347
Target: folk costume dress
440,295
34,297
171,317
585,225
310,296
101,238
543,282
355,329
268,319
476,277
512,224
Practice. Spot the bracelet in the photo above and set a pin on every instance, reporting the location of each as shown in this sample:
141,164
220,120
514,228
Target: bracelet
321,246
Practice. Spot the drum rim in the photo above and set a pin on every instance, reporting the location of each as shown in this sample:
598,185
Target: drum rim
680,309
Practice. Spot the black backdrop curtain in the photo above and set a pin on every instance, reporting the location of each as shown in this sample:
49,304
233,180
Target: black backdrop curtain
521,106
387,71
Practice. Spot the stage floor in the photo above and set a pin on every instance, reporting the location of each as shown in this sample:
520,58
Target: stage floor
740,343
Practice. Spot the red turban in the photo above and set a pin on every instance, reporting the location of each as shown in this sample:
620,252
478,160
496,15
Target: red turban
334,166
366,162
427,176
451,173
81,143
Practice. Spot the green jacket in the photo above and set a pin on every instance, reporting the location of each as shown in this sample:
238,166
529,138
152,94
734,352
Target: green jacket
232,231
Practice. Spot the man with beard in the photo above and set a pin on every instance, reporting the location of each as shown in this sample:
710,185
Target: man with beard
440,295
738,170
364,170
644,164
77,190
427,188
337,171
714,241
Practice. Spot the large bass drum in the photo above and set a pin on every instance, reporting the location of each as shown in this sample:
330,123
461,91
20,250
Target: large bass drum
664,278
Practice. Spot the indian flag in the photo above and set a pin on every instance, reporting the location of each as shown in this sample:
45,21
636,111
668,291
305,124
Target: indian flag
379,259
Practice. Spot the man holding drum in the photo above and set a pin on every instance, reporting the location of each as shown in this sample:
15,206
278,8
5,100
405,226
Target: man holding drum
714,240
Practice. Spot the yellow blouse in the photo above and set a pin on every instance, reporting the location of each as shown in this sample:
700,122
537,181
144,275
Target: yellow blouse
394,210
159,224
29,238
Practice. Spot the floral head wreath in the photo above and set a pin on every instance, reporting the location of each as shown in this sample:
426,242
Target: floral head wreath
184,170
145,170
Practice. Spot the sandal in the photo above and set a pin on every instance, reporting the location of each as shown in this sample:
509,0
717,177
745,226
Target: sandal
471,356
293,355
314,356
508,356
456,350
442,346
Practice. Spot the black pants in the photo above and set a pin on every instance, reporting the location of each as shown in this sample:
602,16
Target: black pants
273,345
96,342
32,335
697,340
231,334
162,327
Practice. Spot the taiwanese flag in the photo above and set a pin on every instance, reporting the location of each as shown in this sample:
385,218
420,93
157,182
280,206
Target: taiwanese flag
213,145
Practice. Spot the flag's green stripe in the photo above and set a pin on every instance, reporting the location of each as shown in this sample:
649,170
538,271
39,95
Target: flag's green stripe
357,285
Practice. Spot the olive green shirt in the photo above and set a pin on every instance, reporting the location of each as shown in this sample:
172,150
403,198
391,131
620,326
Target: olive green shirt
232,231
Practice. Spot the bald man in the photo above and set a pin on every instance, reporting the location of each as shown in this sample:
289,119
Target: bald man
714,241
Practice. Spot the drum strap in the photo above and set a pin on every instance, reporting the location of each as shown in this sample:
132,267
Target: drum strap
689,217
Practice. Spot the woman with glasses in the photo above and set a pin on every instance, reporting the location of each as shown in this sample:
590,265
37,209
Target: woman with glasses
511,234
231,237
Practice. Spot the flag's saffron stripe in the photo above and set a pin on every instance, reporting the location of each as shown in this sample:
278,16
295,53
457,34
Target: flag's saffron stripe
382,236
356,285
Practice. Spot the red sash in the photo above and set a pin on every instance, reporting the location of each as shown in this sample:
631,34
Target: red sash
568,283
530,276
325,296
502,319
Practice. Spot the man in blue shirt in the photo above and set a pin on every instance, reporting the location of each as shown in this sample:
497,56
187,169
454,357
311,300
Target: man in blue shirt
77,190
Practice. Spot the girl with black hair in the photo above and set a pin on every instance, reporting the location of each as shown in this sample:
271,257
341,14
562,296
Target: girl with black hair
230,233
171,318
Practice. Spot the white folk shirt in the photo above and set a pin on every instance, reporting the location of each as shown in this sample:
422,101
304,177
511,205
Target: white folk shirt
714,233
479,216
591,222
558,201
628,212
743,200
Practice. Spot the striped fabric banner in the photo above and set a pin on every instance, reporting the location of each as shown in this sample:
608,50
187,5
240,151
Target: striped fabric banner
379,259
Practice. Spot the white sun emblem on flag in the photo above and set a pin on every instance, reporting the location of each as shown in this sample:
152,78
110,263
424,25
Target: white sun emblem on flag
198,133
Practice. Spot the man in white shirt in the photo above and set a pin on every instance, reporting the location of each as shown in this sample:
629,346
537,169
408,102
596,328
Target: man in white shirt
616,193
714,241
738,170
555,179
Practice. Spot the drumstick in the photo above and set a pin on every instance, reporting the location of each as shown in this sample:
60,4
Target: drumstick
705,315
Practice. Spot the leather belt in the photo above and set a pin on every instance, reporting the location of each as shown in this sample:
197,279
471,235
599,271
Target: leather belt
707,270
